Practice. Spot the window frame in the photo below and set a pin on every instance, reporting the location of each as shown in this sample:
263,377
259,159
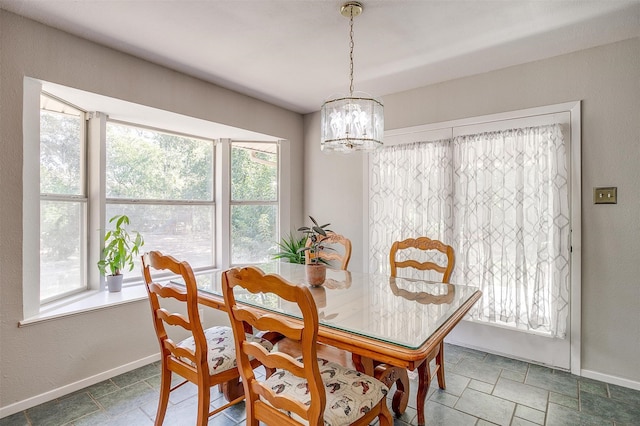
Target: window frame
169,202
93,296
233,203
81,198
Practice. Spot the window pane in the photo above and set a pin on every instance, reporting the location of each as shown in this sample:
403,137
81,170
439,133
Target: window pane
60,255
254,171
185,232
145,164
253,233
60,155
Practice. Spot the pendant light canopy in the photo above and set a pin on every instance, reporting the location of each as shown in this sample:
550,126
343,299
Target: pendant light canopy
354,122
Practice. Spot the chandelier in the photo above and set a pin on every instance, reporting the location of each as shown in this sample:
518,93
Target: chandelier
354,122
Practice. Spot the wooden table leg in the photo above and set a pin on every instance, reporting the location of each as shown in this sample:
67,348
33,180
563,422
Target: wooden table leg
363,364
387,374
232,389
425,375
424,378
440,366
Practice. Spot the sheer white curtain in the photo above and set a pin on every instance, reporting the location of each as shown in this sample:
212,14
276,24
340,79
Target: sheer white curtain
410,194
501,200
511,206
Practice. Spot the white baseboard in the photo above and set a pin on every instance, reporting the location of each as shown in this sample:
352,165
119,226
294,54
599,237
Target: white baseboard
614,380
72,387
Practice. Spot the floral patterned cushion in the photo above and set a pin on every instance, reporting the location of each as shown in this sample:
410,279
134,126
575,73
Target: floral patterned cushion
350,394
221,348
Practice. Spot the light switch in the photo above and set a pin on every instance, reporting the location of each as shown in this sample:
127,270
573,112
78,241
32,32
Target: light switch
607,195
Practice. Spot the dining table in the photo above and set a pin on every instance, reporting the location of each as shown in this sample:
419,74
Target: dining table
399,323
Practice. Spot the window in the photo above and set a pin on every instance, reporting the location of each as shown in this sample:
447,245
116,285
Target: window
254,201
187,188
63,200
164,183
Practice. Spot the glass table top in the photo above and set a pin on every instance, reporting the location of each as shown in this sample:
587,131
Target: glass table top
401,311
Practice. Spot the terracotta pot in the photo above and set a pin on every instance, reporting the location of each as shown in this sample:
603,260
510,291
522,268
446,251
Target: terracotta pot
316,274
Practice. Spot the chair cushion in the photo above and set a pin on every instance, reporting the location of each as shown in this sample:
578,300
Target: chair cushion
350,394
221,348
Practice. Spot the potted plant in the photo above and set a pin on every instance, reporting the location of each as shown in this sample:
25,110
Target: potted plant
316,270
119,250
291,249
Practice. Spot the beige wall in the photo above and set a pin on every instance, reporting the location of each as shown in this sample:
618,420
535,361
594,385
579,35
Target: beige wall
607,80
40,358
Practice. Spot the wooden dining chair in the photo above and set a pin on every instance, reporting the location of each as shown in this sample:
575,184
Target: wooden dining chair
332,238
425,374
205,357
425,244
342,257
305,390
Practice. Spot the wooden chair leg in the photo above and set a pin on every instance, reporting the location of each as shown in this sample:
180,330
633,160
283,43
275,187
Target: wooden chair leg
251,417
165,389
384,418
204,401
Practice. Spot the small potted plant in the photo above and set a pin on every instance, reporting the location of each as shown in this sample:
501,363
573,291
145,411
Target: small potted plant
316,270
119,250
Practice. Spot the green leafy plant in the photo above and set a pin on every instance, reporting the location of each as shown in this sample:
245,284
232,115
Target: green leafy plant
119,247
290,249
313,233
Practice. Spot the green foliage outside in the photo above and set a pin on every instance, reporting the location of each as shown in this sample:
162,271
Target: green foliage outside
60,156
254,178
149,165
144,164
60,172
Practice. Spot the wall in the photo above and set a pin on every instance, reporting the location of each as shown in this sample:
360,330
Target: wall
37,359
607,80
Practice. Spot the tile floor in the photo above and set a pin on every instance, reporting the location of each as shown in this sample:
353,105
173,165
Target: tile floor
482,389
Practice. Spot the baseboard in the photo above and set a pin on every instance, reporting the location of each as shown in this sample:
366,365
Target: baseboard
72,387
613,380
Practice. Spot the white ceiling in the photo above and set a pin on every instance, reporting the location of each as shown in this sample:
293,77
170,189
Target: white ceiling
295,53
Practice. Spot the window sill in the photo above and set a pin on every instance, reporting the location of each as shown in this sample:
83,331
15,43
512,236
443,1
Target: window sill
86,302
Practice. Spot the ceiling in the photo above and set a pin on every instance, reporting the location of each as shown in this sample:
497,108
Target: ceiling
295,53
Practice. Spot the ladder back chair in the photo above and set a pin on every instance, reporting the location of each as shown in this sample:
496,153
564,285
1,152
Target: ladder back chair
425,374
304,390
329,255
425,244
206,357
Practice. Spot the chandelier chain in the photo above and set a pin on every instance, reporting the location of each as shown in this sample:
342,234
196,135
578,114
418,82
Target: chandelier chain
351,44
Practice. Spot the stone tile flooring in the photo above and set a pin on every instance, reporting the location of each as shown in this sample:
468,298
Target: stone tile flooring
482,389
